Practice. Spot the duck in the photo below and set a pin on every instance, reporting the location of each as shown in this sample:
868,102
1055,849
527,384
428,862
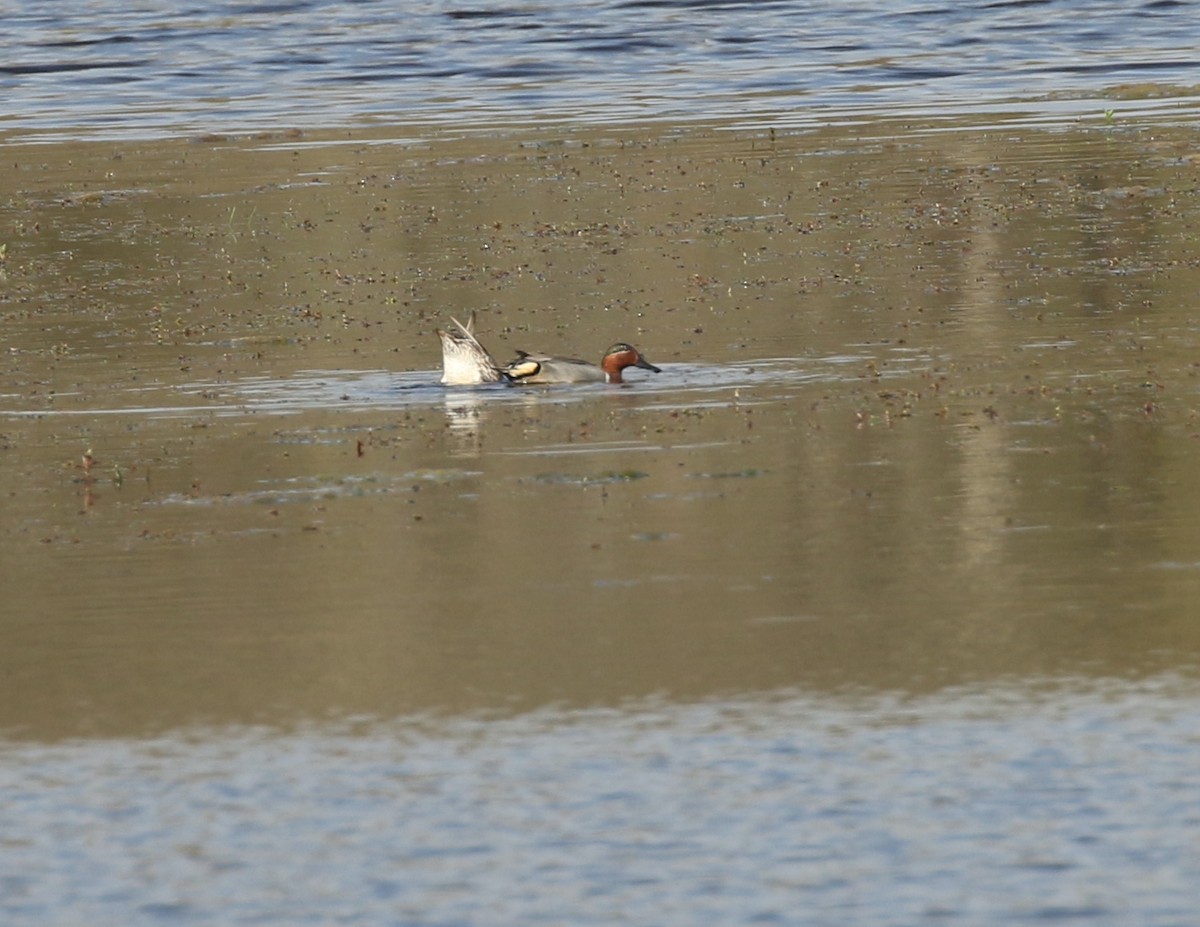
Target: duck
466,362
541,368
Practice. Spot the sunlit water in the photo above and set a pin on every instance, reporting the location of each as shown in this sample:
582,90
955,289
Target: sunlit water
157,67
1065,805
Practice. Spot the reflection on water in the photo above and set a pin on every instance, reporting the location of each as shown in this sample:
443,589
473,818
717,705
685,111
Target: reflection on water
1005,805
465,410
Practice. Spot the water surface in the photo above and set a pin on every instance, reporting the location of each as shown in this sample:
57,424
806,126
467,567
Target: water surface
157,68
1041,804
927,418
877,602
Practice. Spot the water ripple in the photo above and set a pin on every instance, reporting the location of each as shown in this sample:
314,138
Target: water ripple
983,807
149,69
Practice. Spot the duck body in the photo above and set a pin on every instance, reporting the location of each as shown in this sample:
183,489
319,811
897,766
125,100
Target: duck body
541,368
466,362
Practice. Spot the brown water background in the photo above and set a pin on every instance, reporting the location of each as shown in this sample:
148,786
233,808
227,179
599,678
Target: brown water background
928,417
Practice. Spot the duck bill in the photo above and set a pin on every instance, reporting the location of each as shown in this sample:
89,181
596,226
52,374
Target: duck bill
646,365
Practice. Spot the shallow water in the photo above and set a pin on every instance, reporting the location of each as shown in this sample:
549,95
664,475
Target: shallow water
158,69
877,602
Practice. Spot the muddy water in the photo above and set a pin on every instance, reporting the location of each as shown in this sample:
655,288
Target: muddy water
926,431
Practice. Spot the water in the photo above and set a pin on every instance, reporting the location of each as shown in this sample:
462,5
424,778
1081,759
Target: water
877,605
1064,805
160,68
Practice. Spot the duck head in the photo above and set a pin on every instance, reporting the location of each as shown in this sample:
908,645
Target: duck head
620,356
